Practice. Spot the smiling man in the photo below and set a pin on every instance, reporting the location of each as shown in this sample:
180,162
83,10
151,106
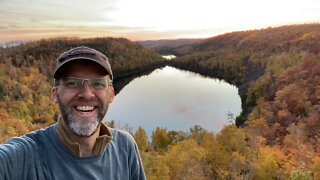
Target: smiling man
79,145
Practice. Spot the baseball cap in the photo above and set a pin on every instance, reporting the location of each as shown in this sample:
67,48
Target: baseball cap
82,53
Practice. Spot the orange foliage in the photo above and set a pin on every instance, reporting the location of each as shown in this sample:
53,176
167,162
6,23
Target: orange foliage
10,127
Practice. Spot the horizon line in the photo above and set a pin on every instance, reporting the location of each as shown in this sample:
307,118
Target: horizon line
9,43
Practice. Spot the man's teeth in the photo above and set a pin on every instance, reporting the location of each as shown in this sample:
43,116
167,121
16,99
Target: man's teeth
85,108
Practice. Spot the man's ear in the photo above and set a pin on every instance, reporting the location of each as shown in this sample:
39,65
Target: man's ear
112,94
54,94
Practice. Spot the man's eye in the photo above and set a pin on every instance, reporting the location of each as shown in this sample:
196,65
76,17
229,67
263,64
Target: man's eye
99,84
71,83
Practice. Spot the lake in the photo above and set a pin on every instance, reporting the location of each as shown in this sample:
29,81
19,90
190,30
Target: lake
176,100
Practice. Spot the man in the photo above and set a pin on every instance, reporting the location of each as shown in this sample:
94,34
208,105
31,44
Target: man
78,146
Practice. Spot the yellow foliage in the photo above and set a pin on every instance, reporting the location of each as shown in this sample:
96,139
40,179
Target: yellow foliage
185,159
266,165
316,168
141,138
10,126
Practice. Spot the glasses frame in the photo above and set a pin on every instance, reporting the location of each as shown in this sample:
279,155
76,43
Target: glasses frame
89,80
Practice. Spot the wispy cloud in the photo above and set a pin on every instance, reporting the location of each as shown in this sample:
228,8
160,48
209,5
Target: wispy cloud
48,13
145,19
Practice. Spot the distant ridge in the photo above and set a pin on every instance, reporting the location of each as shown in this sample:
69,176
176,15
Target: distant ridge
164,46
253,60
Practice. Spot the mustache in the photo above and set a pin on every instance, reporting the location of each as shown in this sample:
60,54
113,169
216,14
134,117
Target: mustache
92,101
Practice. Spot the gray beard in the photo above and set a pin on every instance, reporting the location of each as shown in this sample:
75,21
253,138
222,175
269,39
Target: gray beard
80,127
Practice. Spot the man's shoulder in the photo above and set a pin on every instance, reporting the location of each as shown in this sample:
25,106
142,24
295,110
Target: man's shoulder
29,141
18,147
21,157
119,135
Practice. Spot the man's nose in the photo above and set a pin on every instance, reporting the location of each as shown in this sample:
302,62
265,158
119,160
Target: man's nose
86,90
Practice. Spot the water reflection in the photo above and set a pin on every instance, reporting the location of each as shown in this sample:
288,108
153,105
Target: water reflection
169,57
175,100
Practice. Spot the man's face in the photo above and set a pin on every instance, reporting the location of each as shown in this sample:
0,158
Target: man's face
83,108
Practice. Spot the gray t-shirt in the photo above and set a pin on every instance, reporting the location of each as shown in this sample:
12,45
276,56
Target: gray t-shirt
41,155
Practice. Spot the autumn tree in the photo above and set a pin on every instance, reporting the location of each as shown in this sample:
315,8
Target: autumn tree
229,154
196,132
141,138
266,164
160,139
186,160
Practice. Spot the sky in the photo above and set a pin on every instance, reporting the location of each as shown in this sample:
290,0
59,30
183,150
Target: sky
147,19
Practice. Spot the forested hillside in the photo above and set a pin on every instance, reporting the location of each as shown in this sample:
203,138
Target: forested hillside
253,60
26,77
280,138
277,71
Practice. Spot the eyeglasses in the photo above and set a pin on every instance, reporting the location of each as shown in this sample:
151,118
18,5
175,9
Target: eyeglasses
75,82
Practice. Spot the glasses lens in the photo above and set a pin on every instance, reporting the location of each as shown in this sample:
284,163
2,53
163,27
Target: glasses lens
99,83
72,82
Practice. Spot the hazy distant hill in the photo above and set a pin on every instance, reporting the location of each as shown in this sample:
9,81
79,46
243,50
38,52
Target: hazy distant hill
253,60
166,46
125,56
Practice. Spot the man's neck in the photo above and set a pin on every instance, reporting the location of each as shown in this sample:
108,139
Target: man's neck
86,143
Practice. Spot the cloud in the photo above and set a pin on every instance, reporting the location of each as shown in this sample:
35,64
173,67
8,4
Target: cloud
147,20
3,28
55,12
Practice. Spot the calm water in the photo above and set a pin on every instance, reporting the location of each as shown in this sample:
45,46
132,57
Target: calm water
175,100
